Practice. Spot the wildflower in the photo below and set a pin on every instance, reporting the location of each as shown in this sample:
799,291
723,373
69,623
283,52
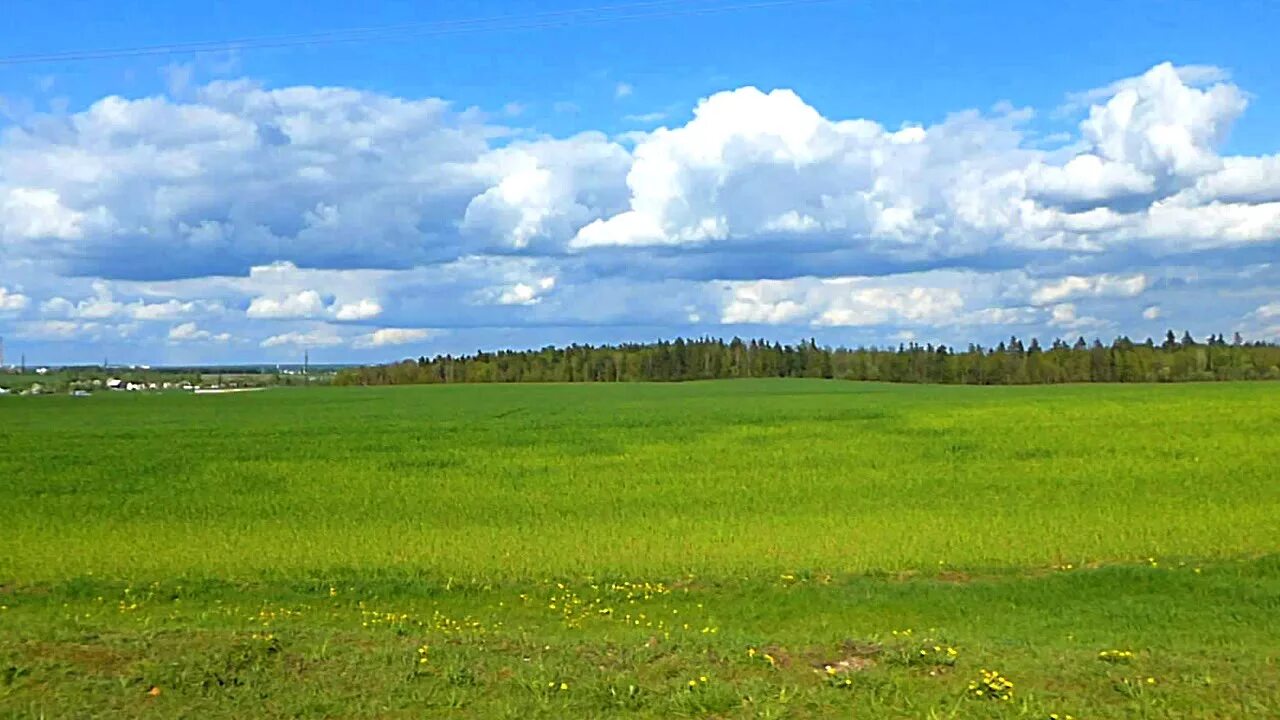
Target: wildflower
1115,656
992,686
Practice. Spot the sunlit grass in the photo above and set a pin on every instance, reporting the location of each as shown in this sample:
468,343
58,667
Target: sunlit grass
810,548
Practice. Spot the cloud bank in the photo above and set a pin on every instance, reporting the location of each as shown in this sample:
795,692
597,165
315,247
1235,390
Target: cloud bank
244,221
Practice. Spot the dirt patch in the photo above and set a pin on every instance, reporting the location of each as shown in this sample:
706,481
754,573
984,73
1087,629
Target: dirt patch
92,659
855,656
851,664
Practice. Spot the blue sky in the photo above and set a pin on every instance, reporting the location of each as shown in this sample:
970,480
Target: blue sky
862,172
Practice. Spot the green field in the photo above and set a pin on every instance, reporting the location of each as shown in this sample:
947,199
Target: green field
469,550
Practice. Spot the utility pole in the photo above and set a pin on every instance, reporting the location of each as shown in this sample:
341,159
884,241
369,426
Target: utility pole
306,365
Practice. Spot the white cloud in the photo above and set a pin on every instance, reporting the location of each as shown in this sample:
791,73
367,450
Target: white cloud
1087,178
1075,286
622,90
75,331
322,337
136,216
36,213
12,301
384,337
363,309
103,305
1064,316
1151,313
839,302
1162,126
527,293
303,304
646,118
1192,75
1004,316
190,332
536,190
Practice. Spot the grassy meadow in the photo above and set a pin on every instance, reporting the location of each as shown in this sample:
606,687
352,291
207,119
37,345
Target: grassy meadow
751,548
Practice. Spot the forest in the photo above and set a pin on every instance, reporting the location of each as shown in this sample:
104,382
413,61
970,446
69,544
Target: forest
1011,362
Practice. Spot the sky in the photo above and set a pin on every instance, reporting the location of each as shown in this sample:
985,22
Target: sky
488,175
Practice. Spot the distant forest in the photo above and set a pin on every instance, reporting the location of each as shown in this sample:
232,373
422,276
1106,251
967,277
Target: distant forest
1008,363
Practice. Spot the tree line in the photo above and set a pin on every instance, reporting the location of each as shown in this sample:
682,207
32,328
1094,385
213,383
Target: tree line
1008,363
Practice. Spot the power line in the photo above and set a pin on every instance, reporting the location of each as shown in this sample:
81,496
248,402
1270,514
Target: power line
654,9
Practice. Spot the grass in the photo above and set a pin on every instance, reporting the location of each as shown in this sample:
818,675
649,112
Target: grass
289,553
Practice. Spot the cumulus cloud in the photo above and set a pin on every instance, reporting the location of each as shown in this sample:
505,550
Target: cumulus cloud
320,337
318,209
303,304
527,293
1098,285
190,332
362,309
1064,316
921,298
75,331
384,337
103,305
12,301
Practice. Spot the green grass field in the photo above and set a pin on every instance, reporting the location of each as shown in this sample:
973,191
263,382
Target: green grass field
728,549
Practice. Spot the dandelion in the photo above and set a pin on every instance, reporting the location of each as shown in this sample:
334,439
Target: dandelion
1115,656
992,686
